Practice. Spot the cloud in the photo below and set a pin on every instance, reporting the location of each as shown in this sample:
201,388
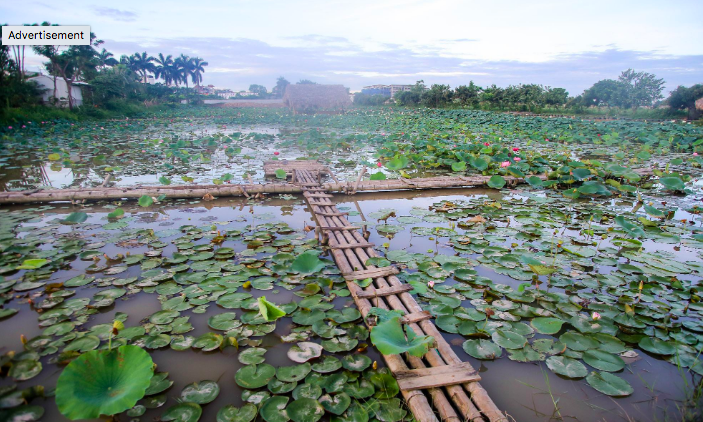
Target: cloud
237,63
116,14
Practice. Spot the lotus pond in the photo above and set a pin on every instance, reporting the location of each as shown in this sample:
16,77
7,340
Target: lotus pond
577,297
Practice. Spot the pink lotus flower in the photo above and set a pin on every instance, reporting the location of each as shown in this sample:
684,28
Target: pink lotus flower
546,139
595,316
505,164
516,149
379,164
695,154
599,135
276,153
518,159
431,283
9,127
487,144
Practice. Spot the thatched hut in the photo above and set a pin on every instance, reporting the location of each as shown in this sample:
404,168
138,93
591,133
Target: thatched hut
315,98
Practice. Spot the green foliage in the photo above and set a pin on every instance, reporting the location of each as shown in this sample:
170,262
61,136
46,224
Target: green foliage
102,382
389,339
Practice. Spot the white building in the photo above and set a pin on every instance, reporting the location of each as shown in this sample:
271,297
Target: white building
46,83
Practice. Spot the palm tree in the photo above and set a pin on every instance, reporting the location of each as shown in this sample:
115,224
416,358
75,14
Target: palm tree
198,70
184,64
144,63
165,68
105,58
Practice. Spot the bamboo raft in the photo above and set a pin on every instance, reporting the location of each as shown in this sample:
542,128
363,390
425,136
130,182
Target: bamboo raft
440,377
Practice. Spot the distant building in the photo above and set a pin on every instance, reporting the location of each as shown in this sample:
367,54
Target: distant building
46,84
387,90
314,98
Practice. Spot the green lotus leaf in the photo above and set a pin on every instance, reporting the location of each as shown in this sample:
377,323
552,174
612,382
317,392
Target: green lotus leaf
305,410
183,412
577,341
482,349
386,386
327,364
603,360
496,182
547,325
145,201
254,376
508,339
356,362
293,373
280,174
202,392
397,163
568,367
389,339
269,311
609,384
25,369
32,264
657,346
336,404
274,409
104,382
308,263
229,413
252,356
75,218
159,383
378,176
672,183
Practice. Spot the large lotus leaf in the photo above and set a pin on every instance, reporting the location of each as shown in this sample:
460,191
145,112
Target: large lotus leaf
547,325
577,341
482,349
326,364
75,218
229,413
609,384
386,386
254,376
308,263
567,367
104,382
274,409
397,163
496,182
334,383
293,373
269,311
336,404
356,362
304,351
672,183
202,392
508,339
305,410
253,355
389,339
183,412
603,360
657,346
345,315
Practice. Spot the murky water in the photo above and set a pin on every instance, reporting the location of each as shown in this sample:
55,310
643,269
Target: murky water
524,390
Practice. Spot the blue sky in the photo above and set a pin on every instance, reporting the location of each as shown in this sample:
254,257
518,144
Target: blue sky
567,43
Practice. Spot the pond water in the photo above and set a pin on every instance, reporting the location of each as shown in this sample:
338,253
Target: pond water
521,389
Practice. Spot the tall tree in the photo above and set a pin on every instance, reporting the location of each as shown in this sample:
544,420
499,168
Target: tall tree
280,88
184,66
164,68
683,98
259,90
105,59
197,70
144,64
641,88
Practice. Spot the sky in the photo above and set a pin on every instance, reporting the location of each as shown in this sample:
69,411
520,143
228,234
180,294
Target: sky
568,43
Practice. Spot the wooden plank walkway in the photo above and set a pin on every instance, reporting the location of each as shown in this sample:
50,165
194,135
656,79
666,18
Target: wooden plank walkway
440,377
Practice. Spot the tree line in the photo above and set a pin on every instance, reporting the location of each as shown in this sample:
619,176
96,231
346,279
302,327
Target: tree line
631,90
110,79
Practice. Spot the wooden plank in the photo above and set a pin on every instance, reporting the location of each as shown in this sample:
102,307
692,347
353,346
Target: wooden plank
332,214
317,195
385,291
415,317
373,273
353,245
438,376
339,229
